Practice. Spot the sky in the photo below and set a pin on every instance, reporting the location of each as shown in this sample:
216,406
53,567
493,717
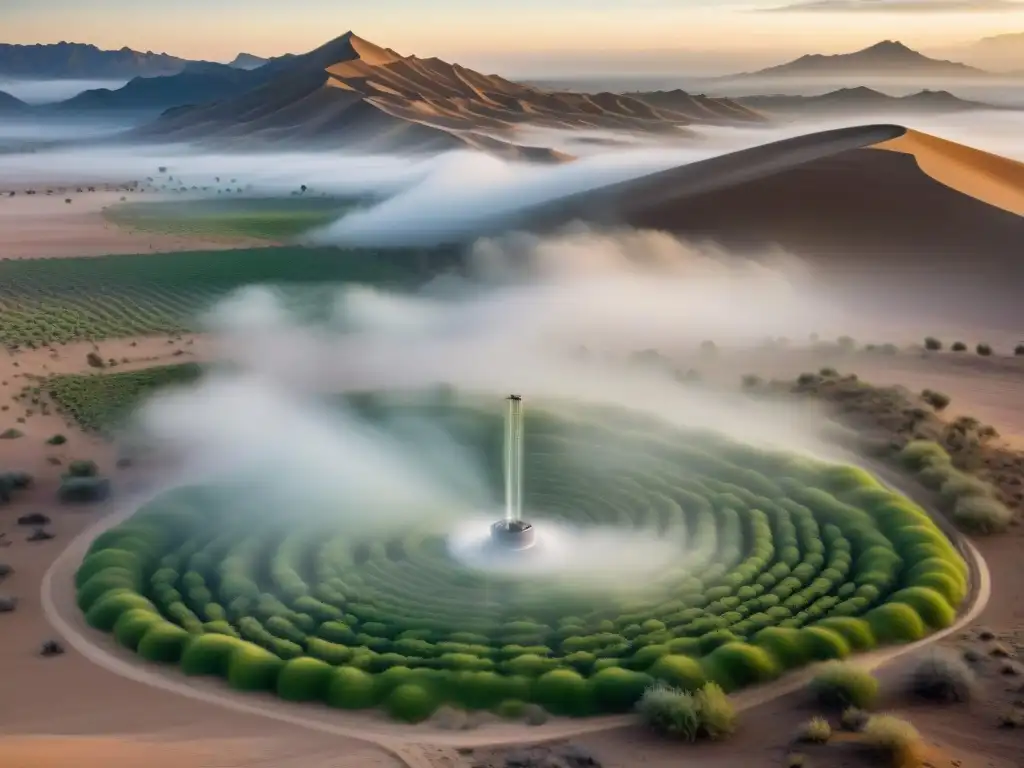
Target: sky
495,31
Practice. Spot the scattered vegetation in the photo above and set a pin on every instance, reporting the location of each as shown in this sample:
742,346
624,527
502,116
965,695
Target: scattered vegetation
941,675
843,684
100,402
932,344
854,719
799,562
894,740
984,350
958,346
1019,350
937,400
706,713
814,731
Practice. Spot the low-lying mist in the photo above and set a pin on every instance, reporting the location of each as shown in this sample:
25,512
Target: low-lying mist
425,200
554,319
37,91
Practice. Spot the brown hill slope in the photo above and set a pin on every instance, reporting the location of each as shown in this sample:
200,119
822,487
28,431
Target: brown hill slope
371,97
879,204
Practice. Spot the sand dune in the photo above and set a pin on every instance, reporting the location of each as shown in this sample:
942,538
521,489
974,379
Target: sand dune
928,214
374,98
995,180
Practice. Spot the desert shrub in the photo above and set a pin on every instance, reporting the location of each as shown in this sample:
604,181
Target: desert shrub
133,624
918,454
716,713
932,344
736,665
303,679
563,692
678,671
83,489
252,668
103,615
163,642
983,349
411,703
687,715
854,719
895,623
941,675
958,346
350,688
56,440
937,400
1019,350
894,740
617,689
209,654
83,468
11,434
534,714
842,684
814,731
669,711
981,515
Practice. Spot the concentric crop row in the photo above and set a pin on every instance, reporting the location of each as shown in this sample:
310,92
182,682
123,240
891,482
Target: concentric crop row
782,560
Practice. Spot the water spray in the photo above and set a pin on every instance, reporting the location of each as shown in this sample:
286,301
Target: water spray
513,532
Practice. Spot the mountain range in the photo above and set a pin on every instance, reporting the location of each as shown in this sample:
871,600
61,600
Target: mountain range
888,58
862,100
353,92
78,61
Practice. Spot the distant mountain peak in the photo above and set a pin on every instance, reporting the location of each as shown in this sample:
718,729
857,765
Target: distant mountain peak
887,58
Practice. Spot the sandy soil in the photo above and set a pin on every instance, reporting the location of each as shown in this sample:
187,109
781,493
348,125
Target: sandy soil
44,226
996,180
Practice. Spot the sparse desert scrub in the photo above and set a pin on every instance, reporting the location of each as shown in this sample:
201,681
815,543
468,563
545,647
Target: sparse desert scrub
932,344
706,713
894,740
981,515
983,349
942,675
958,346
814,731
1019,350
854,719
840,684
937,400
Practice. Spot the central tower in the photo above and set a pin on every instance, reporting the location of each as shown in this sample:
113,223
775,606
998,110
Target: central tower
513,532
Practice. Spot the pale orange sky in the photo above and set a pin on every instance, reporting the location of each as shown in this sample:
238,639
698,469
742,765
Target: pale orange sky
217,29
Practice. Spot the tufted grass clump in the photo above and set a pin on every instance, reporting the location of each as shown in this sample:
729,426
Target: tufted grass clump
707,713
937,400
854,719
942,675
981,515
814,731
839,684
894,740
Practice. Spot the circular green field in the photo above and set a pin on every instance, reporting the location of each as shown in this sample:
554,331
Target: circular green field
778,561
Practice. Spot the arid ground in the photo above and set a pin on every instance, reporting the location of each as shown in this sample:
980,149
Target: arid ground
66,710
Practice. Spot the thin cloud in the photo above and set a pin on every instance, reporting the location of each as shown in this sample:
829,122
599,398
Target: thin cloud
899,6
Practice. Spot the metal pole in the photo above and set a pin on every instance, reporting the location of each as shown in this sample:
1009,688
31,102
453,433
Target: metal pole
514,459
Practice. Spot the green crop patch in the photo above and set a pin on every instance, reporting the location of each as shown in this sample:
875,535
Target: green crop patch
775,565
46,301
272,219
99,402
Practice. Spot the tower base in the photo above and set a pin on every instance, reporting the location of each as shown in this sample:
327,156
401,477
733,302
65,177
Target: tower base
513,534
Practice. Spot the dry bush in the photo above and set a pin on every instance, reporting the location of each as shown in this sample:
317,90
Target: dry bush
941,675
894,740
814,731
854,719
980,514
